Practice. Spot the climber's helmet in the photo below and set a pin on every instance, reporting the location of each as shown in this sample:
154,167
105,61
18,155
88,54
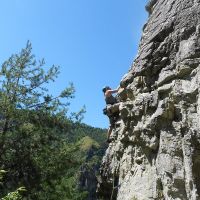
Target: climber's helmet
105,89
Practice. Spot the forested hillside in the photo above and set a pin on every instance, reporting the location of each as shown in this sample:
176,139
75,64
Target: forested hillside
44,150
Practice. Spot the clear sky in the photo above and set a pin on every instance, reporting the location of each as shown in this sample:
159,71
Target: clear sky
93,41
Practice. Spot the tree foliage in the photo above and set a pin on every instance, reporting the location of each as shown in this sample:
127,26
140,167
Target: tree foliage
40,141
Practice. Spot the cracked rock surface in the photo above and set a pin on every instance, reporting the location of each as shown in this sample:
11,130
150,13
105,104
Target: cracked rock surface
155,151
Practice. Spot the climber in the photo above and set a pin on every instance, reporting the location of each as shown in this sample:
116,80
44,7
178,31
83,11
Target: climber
112,108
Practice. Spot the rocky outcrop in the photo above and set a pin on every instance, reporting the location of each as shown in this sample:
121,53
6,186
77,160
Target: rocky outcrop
88,180
155,152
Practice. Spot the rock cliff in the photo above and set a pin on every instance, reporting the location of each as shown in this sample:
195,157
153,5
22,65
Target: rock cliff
155,151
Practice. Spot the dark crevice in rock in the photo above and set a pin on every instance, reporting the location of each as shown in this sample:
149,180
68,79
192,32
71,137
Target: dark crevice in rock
162,34
186,33
196,171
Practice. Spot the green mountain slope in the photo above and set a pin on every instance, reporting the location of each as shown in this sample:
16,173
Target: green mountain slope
47,160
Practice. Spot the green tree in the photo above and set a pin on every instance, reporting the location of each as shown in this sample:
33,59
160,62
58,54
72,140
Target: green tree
42,146
32,122
22,89
16,195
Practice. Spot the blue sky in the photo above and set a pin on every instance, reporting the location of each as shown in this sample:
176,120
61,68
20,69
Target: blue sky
93,41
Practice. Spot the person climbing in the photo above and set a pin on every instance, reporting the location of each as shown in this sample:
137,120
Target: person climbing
112,108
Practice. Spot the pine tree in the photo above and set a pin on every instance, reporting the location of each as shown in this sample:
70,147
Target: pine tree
22,90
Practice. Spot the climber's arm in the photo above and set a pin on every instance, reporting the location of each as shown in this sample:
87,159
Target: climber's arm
109,92
116,90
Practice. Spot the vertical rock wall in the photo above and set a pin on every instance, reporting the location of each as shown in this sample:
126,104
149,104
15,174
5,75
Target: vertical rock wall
155,152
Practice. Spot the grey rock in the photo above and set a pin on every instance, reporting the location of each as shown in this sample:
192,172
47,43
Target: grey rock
155,153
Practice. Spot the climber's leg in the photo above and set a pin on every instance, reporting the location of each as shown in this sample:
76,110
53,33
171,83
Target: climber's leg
108,134
112,124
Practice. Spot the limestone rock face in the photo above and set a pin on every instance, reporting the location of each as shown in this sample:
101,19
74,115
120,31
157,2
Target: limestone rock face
155,151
